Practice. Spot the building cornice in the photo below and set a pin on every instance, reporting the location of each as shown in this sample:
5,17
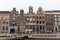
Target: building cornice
52,11
5,12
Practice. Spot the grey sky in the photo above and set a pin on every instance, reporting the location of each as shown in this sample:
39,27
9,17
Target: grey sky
24,4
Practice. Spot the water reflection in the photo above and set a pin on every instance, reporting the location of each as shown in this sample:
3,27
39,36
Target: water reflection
10,39
32,39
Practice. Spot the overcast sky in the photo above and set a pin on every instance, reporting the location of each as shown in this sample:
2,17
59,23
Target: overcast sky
24,4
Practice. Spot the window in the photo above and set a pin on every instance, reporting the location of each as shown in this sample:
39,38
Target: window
51,19
52,16
43,17
5,32
40,22
55,19
6,22
37,22
30,26
46,23
3,28
33,17
40,27
58,19
16,15
37,17
33,25
30,16
55,15
55,23
13,21
0,17
6,28
30,20
13,24
27,16
13,18
47,16
0,21
4,17
33,20
58,23
33,28
3,22
37,28
43,22
18,28
51,23
40,17
7,17
27,20
58,15
43,27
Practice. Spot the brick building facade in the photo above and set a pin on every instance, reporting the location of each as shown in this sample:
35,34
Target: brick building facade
41,21
4,22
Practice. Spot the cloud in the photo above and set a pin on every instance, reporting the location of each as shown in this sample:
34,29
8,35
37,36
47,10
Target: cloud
24,4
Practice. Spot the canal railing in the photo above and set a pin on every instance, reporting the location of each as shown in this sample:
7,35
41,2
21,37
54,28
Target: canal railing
40,35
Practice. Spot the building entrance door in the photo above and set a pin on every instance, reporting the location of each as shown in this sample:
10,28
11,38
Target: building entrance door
12,29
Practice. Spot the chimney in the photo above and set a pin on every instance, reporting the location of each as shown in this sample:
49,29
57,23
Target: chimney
14,9
21,12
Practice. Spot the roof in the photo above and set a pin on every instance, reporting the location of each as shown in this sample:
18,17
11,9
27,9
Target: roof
4,11
53,11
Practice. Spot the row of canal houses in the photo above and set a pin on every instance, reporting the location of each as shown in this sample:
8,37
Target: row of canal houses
31,22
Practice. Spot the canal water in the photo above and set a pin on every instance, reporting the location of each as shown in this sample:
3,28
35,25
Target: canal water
33,39
29,38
